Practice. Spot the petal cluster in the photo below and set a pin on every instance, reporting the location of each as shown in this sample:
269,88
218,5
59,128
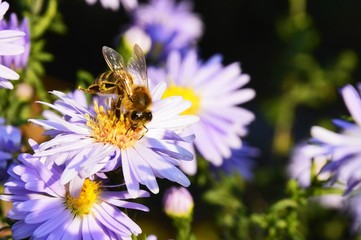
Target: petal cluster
170,25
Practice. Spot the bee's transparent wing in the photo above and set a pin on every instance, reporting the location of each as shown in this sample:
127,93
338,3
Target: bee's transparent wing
137,66
116,63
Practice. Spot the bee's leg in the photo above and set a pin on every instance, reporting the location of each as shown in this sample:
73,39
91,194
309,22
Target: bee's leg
126,117
146,130
93,89
118,107
133,127
117,113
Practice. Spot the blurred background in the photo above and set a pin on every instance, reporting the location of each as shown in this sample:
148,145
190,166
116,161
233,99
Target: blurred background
283,45
297,52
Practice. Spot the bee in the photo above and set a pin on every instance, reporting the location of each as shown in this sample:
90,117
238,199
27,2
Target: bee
129,83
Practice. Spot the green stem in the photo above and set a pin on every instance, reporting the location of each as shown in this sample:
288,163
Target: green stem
284,122
183,226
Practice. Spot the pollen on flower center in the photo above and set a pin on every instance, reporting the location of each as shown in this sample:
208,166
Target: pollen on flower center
187,94
108,128
88,196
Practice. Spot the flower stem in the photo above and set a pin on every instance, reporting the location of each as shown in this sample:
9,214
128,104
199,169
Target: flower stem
183,226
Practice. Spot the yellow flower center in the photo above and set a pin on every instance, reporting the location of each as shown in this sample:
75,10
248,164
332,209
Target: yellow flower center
88,196
107,128
187,94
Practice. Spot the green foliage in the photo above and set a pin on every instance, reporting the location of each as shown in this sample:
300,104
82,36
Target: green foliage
140,237
304,81
226,196
84,78
43,17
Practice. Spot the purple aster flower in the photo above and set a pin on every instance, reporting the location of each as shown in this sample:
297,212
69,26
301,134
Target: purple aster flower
301,161
9,47
170,25
344,147
115,4
82,209
10,145
353,207
17,61
215,93
99,141
306,158
178,202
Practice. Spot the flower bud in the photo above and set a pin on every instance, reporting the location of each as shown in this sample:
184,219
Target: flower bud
136,35
24,92
178,202
152,237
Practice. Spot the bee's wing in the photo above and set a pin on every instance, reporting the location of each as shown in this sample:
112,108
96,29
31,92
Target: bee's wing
116,63
137,66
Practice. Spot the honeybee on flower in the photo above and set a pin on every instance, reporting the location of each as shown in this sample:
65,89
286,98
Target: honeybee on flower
130,85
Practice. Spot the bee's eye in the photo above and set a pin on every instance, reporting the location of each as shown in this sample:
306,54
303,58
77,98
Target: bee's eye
148,116
135,115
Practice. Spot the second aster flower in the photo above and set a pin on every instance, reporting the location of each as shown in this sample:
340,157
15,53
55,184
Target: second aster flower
215,93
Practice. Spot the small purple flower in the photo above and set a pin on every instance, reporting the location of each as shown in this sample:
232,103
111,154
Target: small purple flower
17,61
306,158
10,145
344,148
302,157
98,141
215,92
170,25
43,208
9,47
178,202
